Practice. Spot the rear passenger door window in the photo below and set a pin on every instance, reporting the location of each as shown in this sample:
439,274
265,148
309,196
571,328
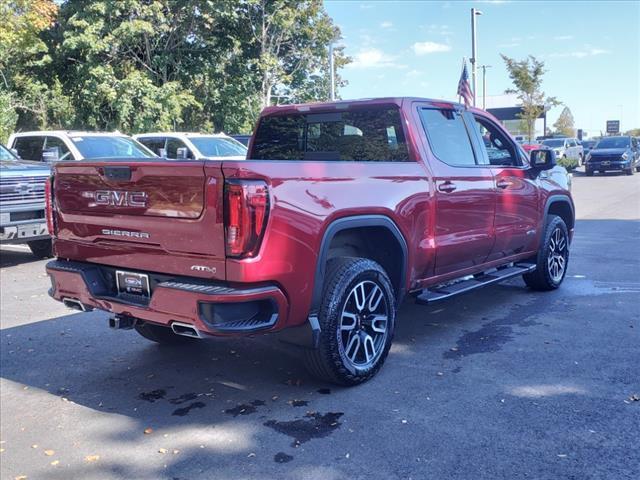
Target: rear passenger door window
448,137
63,150
30,148
173,144
153,144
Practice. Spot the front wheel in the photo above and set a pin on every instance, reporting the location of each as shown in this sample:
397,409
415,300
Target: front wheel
552,258
630,171
41,248
357,318
588,172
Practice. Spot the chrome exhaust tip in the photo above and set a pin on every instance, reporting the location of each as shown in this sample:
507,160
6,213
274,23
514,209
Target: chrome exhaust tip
185,329
75,304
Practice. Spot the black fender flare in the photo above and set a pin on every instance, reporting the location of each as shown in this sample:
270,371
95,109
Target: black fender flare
559,199
357,221
307,335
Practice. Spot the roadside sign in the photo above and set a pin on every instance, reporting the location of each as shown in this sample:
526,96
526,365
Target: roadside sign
613,126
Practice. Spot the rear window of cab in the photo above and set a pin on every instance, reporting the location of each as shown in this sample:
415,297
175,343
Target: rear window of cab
371,134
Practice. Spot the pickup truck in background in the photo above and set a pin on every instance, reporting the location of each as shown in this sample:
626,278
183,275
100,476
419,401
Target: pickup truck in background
22,203
58,145
340,210
188,145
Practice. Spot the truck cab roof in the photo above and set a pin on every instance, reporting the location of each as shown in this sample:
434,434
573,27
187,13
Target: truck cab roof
345,104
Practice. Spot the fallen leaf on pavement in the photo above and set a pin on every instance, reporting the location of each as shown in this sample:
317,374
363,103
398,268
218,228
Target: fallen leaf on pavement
148,430
55,462
92,458
21,477
34,446
162,450
49,453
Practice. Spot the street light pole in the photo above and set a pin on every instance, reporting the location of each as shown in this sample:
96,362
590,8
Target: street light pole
474,53
484,85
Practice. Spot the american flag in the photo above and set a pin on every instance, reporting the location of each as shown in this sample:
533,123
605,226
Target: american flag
464,90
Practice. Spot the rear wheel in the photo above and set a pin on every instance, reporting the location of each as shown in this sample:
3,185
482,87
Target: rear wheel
553,257
41,248
160,334
589,173
357,318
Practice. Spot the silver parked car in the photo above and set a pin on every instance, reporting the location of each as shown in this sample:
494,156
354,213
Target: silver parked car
22,203
568,148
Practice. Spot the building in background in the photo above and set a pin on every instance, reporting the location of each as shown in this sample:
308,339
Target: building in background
507,108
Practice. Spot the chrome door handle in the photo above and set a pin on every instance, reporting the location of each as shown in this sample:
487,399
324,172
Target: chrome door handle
447,187
503,184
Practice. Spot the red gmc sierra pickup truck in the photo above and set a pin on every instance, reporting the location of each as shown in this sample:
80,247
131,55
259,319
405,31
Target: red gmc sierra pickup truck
339,211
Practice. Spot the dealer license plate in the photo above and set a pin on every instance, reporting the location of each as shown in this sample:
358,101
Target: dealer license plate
132,283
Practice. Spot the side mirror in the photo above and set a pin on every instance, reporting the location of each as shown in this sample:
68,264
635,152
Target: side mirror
162,152
182,153
542,159
51,154
15,152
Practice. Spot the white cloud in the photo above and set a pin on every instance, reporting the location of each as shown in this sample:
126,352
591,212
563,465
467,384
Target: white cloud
366,6
591,52
494,2
563,37
509,45
373,58
425,48
386,24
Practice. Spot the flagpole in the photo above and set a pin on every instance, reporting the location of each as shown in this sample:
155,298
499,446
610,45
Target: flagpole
464,61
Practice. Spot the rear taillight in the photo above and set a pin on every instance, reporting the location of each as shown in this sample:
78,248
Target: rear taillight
246,213
49,208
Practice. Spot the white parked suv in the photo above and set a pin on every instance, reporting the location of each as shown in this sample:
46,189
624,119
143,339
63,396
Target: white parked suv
566,148
184,145
47,146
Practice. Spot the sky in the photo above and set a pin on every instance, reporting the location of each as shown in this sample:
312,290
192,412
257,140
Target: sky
591,51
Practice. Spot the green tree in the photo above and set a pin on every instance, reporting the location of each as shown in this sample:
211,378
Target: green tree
526,76
138,65
291,39
565,124
25,97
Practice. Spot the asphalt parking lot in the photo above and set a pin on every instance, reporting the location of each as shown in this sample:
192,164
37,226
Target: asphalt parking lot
500,383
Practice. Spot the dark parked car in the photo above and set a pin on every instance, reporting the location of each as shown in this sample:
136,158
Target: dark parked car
588,145
614,153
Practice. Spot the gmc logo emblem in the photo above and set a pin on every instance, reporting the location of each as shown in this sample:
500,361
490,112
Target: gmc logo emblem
116,198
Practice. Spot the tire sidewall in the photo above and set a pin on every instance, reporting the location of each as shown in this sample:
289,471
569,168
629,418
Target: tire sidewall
553,223
335,300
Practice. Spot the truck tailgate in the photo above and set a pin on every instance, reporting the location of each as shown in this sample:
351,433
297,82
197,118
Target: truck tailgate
143,215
